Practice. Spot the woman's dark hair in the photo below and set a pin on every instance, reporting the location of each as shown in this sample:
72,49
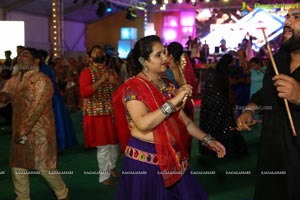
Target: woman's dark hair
142,48
222,73
43,54
175,49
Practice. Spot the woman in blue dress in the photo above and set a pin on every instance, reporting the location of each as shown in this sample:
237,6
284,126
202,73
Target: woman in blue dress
65,131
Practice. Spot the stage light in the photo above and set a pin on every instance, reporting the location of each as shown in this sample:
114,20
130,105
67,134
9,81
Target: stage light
163,7
131,14
101,9
109,9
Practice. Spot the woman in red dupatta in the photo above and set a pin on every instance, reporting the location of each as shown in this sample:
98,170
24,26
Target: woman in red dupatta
181,71
153,131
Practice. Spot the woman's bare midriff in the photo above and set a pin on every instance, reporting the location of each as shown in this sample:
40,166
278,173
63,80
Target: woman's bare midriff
146,137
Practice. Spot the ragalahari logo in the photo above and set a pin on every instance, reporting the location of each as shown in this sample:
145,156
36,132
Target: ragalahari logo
245,6
245,9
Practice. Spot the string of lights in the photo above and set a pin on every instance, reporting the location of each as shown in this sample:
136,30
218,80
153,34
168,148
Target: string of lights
57,27
155,2
169,5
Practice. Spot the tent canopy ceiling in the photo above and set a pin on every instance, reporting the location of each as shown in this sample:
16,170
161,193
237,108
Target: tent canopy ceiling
85,10
81,10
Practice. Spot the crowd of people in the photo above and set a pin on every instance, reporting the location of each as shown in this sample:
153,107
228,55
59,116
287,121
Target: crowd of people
144,108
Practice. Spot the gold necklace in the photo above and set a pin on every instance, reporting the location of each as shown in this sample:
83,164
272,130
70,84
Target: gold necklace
161,89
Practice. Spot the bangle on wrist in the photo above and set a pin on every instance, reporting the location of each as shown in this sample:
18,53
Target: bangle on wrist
249,110
207,139
167,108
172,105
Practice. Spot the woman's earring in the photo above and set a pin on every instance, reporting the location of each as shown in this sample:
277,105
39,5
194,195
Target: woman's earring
142,61
146,68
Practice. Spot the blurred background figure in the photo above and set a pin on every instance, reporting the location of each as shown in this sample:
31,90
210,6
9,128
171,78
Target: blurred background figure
258,71
188,46
8,61
180,70
65,131
6,111
216,115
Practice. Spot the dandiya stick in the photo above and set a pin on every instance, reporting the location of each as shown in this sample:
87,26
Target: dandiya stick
276,72
181,67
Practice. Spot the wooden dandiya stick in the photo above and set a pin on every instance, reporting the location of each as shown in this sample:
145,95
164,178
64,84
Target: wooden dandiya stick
181,67
276,72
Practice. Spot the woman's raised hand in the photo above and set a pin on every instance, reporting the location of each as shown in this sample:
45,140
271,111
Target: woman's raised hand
182,95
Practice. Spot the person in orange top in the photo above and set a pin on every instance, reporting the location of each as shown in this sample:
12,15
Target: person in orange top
97,83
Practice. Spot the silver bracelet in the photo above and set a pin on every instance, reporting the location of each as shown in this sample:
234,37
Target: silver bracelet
207,139
167,109
249,110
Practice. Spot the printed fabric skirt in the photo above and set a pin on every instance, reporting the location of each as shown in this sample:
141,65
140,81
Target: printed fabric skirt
141,179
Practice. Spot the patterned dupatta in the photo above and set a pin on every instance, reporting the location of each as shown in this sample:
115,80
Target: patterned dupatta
170,136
